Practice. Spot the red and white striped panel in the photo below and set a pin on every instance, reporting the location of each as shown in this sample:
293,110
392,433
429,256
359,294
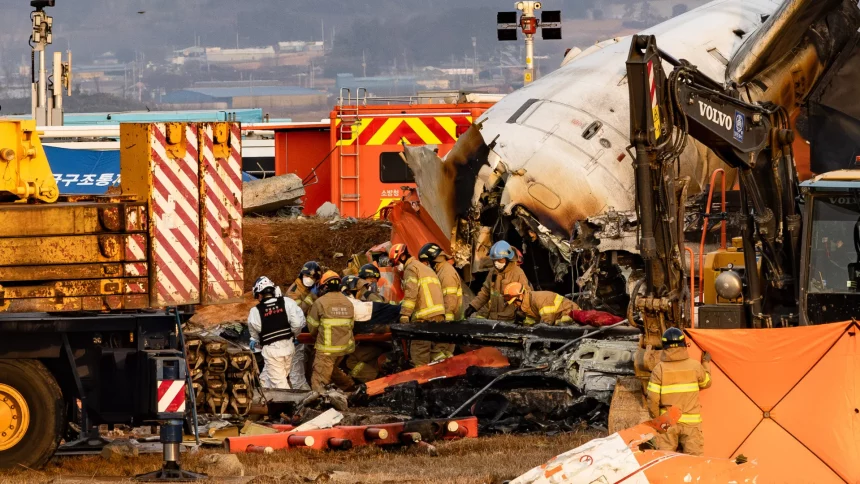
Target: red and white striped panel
175,220
171,396
221,215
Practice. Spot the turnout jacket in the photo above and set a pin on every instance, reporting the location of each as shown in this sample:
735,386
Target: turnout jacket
676,381
331,320
422,293
491,294
452,291
303,296
547,307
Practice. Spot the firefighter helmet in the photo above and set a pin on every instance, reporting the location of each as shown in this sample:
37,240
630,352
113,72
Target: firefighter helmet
513,291
673,338
502,250
311,269
349,284
396,252
331,280
262,284
429,252
368,271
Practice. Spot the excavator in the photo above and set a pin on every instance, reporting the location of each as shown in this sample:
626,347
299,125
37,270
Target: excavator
796,259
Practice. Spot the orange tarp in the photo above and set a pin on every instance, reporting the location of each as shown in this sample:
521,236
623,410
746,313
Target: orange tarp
788,398
413,226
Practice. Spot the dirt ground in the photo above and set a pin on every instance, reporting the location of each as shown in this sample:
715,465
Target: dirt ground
487,460
278,247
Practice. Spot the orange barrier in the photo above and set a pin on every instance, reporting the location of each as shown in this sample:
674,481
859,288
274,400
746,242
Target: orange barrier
346,437
787,398
448,368
617,459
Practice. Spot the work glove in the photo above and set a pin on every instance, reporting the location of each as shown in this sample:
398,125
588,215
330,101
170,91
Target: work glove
469,312
253,345
706,357
404,319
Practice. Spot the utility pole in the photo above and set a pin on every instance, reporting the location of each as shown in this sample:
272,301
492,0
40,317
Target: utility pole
47,111
550,25
475,61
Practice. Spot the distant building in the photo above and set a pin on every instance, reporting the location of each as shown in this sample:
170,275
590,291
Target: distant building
265,97
378,86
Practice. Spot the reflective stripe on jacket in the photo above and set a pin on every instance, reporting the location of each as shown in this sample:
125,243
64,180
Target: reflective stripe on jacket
491,294
422,292
331,320
676,381
452,290
547,307
302,295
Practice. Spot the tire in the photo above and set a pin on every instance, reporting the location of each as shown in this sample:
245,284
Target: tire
34,445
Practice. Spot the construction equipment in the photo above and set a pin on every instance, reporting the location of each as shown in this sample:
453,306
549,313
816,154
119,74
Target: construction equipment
90,286
789,270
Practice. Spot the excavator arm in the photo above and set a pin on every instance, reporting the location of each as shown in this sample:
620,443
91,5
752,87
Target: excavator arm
754,139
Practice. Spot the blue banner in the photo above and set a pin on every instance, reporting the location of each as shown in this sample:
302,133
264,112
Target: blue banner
88,171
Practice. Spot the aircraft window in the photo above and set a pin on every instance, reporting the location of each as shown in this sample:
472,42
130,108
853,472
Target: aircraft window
592,130
516,116
392,169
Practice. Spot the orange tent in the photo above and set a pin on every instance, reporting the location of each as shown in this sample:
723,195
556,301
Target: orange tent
787,398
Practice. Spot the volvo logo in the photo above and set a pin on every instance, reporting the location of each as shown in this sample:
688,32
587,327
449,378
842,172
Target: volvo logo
715,116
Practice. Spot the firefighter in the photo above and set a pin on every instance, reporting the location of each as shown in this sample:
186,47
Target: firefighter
305,289
331,320
504,271
273,323
363,363
676,381
540,306
304,292
434,257
368,284
422,301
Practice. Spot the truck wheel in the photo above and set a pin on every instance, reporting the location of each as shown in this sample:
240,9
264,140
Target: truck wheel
31,414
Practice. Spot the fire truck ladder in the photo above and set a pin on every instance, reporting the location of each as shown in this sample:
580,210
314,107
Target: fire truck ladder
348,154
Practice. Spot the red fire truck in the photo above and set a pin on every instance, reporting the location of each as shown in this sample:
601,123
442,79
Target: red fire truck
354,161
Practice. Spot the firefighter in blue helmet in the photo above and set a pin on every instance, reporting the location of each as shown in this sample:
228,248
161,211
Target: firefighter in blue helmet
490,300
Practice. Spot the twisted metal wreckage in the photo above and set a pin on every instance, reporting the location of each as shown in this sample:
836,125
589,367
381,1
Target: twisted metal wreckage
548,168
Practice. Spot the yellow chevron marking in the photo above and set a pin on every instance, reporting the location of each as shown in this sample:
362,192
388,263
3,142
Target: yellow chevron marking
385,131
423,131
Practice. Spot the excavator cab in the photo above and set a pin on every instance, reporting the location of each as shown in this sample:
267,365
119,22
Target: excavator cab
830,265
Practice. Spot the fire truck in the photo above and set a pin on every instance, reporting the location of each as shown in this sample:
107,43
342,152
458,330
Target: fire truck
354,159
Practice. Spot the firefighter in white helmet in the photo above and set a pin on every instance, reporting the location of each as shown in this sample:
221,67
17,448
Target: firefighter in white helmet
273,323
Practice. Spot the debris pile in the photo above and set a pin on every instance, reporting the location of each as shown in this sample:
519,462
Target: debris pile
223,376
277,247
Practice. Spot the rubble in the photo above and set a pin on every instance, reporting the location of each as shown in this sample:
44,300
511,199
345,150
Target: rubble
328,210
223,465
120,449
271,194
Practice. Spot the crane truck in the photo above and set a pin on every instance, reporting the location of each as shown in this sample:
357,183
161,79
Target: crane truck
93,289
796,262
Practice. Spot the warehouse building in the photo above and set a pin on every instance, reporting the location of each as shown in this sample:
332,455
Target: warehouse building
264,97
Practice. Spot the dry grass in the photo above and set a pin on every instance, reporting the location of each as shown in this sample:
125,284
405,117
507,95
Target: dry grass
278,247
484,460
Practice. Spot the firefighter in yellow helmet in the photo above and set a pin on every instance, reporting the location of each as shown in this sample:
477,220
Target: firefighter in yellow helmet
331,320
422,301
676,381
540,306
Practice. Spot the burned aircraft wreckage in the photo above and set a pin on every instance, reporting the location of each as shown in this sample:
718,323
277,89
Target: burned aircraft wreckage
549,169
549,166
